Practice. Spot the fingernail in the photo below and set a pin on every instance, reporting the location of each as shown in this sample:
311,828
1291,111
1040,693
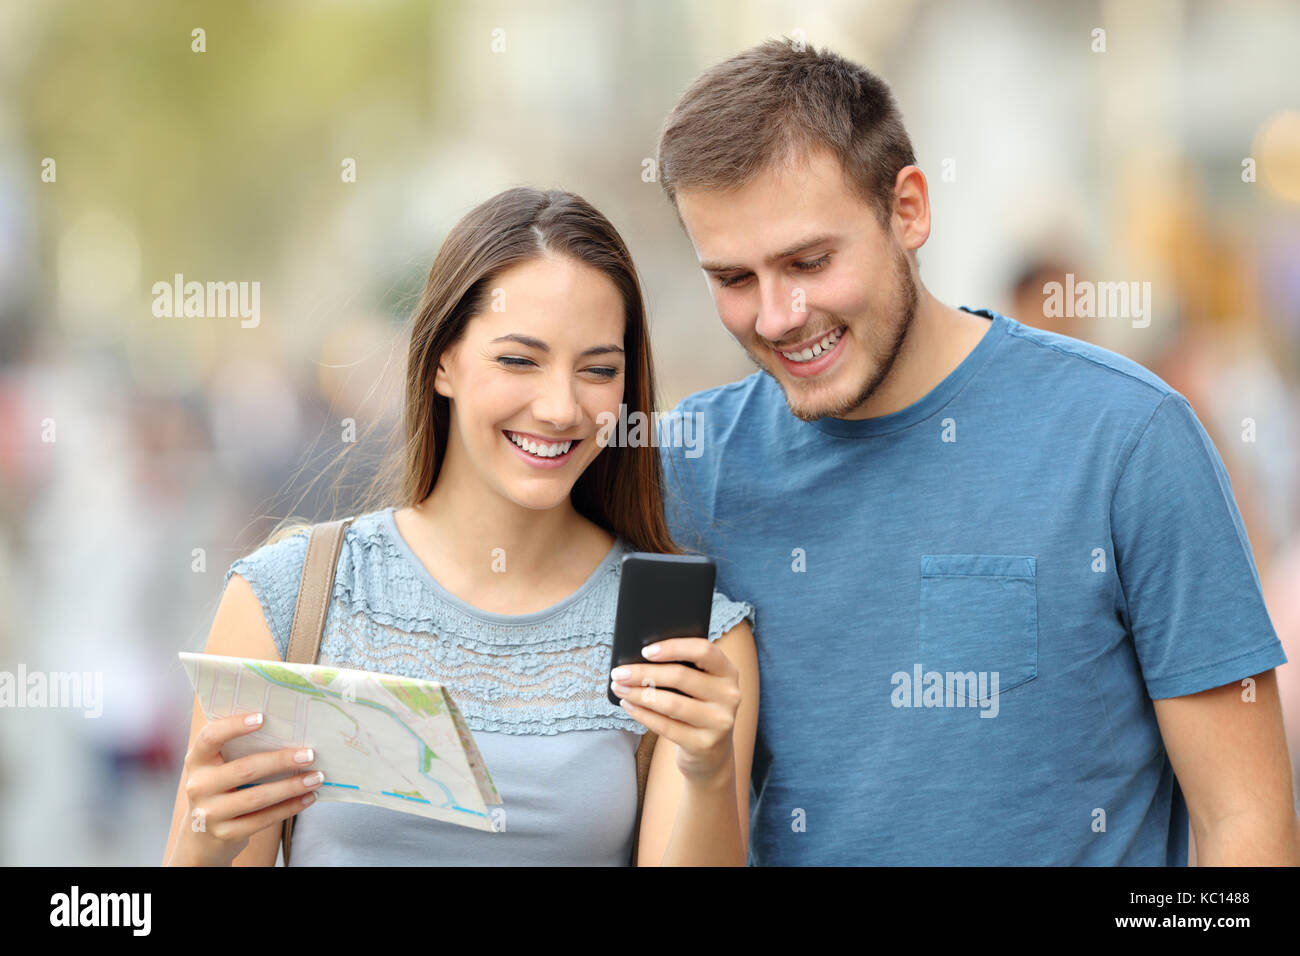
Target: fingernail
312,779
305,756
310,798
650,650
252,720
619,673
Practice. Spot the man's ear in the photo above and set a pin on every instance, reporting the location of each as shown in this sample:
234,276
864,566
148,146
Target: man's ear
911,208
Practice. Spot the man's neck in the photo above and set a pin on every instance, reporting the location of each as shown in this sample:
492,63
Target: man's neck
939,340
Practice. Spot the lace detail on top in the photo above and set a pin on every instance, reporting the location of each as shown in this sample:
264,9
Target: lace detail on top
538,673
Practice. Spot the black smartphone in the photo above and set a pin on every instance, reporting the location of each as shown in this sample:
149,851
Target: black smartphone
659,596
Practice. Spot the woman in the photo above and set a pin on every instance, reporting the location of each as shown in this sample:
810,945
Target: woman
497,576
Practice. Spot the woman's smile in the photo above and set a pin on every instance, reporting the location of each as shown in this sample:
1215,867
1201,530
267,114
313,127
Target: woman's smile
539,451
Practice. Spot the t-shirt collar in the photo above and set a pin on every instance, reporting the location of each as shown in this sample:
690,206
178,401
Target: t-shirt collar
931,402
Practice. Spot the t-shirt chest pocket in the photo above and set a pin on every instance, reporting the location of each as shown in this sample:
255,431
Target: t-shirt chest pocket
979,613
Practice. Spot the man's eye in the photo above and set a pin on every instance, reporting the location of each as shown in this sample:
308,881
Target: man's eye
814,265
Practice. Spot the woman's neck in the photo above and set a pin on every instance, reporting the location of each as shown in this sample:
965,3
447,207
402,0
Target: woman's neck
474,541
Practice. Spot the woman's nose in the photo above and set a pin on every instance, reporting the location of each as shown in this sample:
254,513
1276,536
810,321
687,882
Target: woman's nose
557,404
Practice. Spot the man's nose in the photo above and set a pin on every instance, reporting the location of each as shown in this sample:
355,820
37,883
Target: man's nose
778,318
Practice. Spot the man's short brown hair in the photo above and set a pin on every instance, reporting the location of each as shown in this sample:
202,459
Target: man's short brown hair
770,106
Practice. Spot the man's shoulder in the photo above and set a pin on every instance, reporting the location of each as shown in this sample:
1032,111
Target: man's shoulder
1083,365
723,398
750,409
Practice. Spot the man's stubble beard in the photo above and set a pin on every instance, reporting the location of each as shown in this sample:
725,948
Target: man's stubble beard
885,354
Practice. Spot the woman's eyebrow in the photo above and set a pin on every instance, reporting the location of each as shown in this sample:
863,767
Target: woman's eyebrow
543,347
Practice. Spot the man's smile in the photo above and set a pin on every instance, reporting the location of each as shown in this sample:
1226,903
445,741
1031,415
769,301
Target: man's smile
813,356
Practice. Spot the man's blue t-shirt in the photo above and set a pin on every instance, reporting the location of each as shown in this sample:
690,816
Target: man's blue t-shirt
965,608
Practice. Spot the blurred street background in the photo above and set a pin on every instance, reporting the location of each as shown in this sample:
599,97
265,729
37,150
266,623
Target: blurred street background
141,454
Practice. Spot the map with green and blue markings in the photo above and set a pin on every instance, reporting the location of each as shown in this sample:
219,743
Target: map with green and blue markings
393,742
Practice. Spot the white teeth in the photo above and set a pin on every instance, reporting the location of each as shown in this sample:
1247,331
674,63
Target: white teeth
553,450
825,345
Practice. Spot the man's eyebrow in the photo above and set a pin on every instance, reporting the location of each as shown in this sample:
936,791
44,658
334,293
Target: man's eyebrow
794,250
543,347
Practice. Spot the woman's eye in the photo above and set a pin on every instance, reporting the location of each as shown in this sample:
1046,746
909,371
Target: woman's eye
515,361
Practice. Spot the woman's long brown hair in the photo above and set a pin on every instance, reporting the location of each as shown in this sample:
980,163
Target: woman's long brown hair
621,491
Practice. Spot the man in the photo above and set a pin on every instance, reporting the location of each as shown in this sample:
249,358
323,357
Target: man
1007,612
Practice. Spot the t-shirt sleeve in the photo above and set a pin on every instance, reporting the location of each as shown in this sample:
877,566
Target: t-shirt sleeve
726,614
1191,590
273,572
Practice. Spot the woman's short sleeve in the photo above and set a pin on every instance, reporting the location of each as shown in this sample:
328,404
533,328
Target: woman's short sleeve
273,572
726,614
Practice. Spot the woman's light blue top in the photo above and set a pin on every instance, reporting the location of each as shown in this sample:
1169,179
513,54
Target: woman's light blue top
532,688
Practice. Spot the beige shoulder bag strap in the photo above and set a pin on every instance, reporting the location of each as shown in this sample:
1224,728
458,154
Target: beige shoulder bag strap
644,751
314,590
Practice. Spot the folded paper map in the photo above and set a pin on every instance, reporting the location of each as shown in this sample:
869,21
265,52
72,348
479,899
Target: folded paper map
394,742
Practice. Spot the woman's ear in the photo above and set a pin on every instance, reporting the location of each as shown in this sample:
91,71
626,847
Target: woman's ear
441,378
